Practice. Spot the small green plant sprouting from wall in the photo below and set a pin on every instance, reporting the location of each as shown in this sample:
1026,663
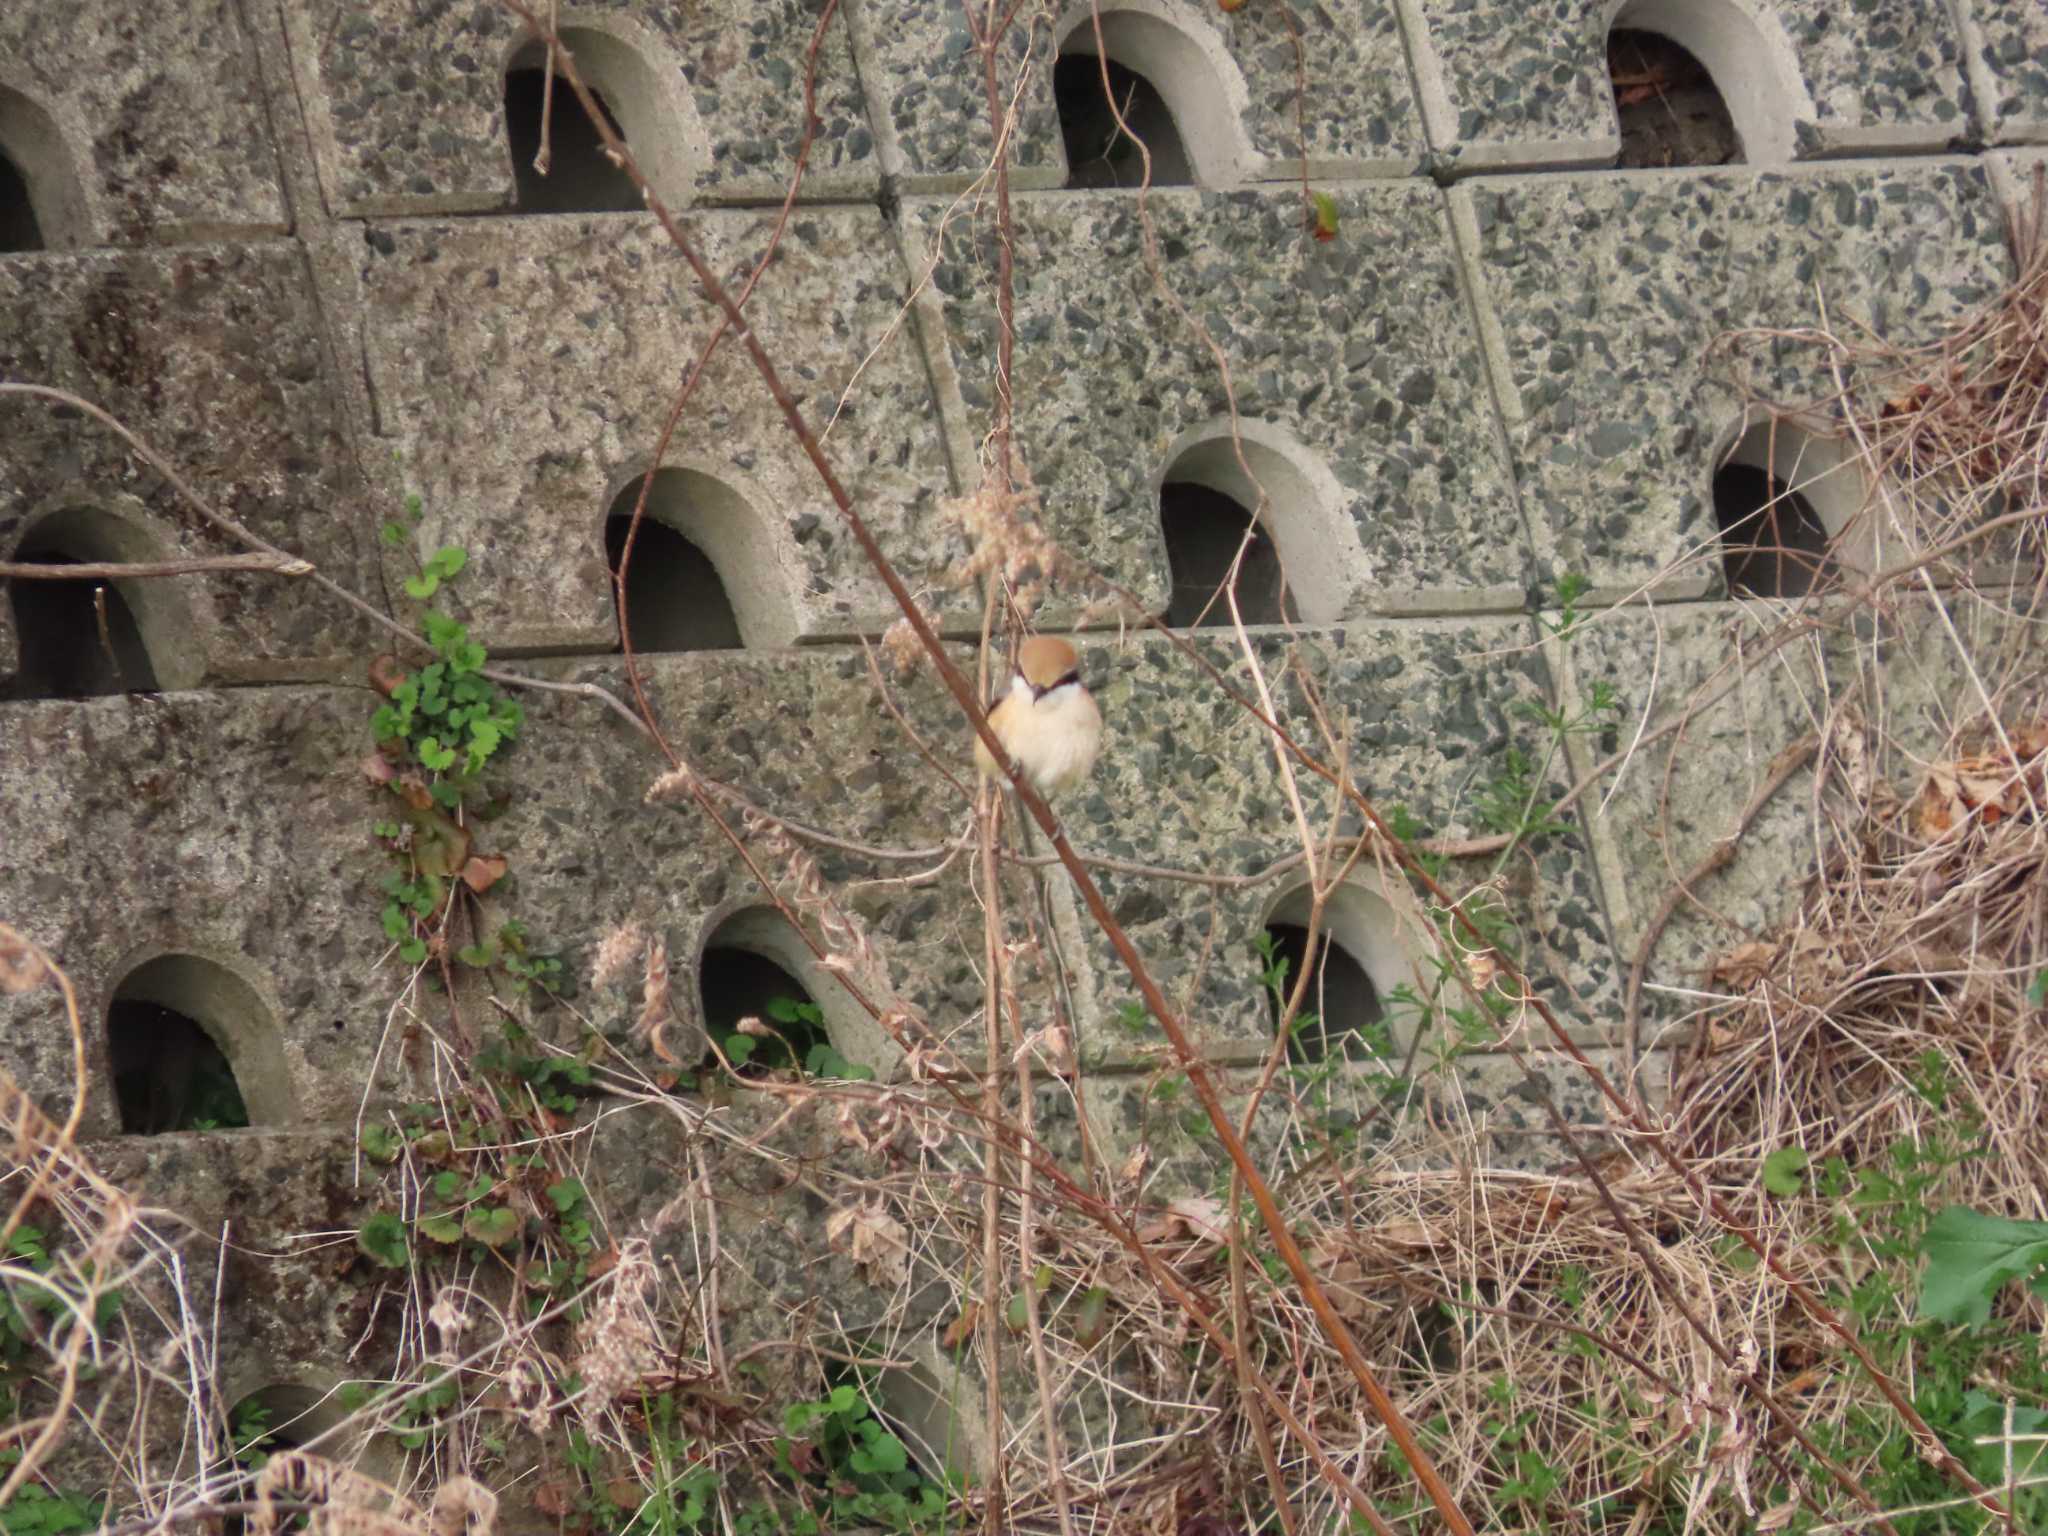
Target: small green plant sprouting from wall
438,730
798,1039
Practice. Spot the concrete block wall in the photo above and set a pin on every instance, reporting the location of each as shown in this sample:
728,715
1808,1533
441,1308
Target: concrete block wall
280,242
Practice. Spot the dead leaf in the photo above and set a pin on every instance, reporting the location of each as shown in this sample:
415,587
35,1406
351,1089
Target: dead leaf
1195,1216
1744,966
961,1329
386,673
552,1500
873,1239
483,871
378,768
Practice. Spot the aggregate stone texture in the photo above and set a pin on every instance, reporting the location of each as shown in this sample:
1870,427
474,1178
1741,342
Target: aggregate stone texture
2008,54
238,826
921,69
160,152
213,356
1897,680
281,1311
1423,713
1371,365
526,369
406,101
1606,295
1526,85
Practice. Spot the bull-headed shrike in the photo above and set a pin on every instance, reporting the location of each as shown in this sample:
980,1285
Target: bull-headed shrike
1046,719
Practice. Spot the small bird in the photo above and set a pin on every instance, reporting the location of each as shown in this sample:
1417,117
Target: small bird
1047,720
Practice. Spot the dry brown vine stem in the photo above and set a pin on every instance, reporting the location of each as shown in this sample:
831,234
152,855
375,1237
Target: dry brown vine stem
958,685
279,564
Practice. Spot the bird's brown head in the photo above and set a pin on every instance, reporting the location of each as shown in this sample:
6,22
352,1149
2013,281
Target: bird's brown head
1044,661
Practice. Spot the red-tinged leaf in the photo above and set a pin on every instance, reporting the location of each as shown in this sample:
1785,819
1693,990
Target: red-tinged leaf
377,769
961,1329
1228,6
552,1500
1324,224
483,871
386,673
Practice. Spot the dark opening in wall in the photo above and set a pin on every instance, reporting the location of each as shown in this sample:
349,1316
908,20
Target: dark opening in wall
1772,541
1099,154
192,1046
19,230
1204,529
277,1418
1671,111
78,639
739,984
580,177
675,600
169,1074
1340,994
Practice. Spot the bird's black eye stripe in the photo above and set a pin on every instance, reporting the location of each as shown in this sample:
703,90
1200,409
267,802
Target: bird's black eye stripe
1059,682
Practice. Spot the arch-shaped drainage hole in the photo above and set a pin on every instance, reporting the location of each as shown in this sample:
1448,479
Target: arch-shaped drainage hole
78,639
283,1417
1773,543
675,600
1099,154
169,1073
1340,1012
19,228
1203,529
193,1046
738,984
580,178
1670,110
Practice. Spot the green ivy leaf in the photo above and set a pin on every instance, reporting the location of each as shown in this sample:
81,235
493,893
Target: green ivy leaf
1090,1316
422,586
442,1227
494,1227
393,534
1016,1316
413,951
1785,1171
448,561
380,1143
482,956
1970,1255
436,756
738,1048
382,1237
566,1195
